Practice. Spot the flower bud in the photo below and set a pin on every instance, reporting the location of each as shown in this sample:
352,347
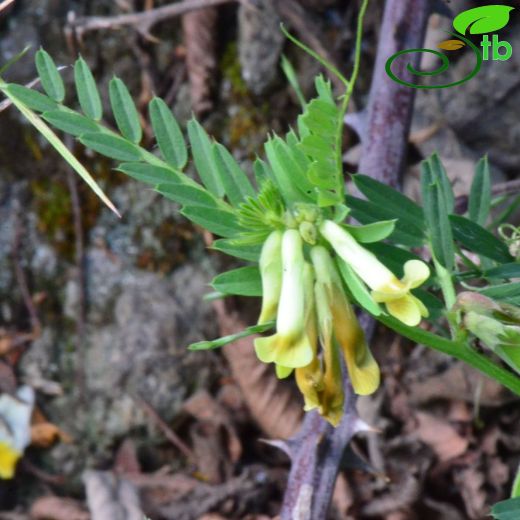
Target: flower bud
271,272
289,347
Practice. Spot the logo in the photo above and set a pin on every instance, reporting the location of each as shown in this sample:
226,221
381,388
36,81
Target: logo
480,20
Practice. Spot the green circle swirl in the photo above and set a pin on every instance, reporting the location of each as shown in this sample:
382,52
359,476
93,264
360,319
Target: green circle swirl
444,66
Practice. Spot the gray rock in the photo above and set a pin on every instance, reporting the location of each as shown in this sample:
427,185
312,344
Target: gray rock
260,44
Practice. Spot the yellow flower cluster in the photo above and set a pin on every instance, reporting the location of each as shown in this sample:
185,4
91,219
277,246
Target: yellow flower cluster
311,308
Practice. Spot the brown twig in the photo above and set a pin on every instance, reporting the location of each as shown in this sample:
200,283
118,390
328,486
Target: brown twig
168,432
384,133
316,451
294,14
47,478
142,21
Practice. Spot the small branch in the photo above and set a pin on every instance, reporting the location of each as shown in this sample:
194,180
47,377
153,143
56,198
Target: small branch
168,432
295,15
390,105
316,451
142,21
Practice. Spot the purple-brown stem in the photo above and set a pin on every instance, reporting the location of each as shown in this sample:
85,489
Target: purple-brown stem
316,451
384,132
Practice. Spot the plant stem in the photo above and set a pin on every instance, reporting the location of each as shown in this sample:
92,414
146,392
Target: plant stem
456,349
346,100
449,294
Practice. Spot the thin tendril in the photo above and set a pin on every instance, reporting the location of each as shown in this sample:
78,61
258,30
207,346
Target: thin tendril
346,99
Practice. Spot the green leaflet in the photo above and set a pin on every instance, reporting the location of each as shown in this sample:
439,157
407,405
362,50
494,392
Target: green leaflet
188,195
31,98
318,126
436,200
217,343
245,252
479,202
124,111
59,146
151,174
367,212
71,122
292,78
236,184
88,95
10,62
439,173
478,239
168,133
244,281
374,232
287,172
201,151
515,490
511,270
262,172
508,292
112,146
50,77
507,509
218,221
394,202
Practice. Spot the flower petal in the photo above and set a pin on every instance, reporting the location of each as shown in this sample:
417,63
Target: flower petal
271,270
422,308
416,273
286,351
382,297
283,372
406,310
310,383
8,459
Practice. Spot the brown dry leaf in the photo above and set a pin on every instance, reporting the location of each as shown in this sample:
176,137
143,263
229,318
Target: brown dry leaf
45,434
207,410
497,473
213,462
199,28
56,508
275,406
460,381
470,481
440,436
109,497
343,497
451,45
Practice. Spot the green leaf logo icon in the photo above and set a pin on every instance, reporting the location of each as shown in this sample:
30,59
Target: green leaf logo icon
481,20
